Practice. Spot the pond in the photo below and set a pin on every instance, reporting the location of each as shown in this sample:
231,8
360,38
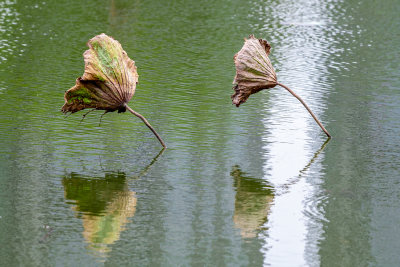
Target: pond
258,185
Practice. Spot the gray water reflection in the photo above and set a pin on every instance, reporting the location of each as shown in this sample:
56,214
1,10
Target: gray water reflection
253,201
290,136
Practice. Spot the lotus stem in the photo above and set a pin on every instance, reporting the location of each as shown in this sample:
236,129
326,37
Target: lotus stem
147,124
145,170
305,105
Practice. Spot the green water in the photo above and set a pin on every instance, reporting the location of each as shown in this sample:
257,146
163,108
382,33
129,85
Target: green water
250,186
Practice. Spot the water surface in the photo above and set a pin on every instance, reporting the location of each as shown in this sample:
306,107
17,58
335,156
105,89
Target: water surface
253,186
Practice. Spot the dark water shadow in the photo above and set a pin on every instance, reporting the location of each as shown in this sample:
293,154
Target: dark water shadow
104,204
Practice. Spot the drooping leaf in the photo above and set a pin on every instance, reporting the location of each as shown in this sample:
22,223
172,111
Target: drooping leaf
109,80
108,83
254,71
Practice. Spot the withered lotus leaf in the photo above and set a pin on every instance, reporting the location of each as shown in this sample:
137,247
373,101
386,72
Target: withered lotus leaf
254,72
108,82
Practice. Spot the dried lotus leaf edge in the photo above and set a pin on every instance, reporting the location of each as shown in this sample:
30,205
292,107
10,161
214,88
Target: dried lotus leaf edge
266,46
124,105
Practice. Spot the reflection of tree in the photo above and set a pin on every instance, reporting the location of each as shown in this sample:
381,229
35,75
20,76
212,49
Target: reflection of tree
252,203
104,204
121,13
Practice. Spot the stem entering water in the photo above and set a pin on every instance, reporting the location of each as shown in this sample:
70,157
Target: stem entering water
305,105
147,124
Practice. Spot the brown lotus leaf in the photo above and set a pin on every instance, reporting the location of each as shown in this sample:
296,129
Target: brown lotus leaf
109,80
254,71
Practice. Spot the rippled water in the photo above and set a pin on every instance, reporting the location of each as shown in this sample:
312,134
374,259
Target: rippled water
253,186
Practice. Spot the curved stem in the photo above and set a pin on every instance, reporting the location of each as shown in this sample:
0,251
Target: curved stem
285,187
147,124
145,170
305,105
